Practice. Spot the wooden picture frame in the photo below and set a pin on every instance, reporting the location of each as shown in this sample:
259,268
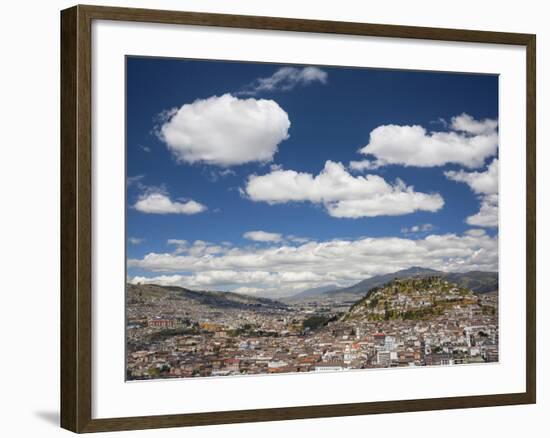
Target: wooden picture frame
76,218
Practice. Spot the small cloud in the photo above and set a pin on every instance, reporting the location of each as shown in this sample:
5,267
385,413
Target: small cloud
135,240
227,172
475,232
165,115
263,236
485,186
415,229
440,121
177,242
285,79
160,119
215,175
297,239
466,123
144,148
362,165
487,216
157,202
481,183
135,180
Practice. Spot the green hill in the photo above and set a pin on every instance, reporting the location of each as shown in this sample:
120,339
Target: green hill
478,281
410,299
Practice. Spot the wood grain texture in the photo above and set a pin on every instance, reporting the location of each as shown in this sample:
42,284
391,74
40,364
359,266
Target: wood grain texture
531,213
68,347
76,219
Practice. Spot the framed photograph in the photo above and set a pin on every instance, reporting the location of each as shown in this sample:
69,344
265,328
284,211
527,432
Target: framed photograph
270,219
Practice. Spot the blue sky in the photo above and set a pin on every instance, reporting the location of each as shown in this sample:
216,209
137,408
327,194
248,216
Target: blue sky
323,161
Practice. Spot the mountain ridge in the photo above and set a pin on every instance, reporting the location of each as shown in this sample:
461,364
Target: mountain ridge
314,291
218,299
478,281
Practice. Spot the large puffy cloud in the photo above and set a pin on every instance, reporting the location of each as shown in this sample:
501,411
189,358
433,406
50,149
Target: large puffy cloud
485,185
342,194
285,269
469,142
160,203
285,79
225,130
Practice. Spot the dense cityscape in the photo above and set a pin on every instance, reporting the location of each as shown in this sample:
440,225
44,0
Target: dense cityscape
416,321
287,218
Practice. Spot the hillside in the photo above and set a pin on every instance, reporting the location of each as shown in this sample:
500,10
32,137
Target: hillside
478,281
146,293
313,292
411,299
364,286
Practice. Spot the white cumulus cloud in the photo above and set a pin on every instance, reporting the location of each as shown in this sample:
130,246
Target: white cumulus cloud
485,182
225,130
475,232
485,185
285,79
363,165
263,236
160,203
467,123
342,194
487,216
469,143
287,269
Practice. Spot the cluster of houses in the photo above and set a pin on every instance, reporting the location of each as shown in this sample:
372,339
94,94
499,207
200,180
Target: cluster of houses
277,344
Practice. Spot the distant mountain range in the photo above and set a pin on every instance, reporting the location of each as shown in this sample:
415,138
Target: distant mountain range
147,292
477,281
315,291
